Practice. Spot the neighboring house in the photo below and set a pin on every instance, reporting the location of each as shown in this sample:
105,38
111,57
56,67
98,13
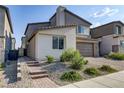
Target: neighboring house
6,32
64,30
111,37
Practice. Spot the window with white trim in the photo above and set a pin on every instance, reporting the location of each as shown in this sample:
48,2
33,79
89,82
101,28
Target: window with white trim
122,43
118,30
82,30
58,42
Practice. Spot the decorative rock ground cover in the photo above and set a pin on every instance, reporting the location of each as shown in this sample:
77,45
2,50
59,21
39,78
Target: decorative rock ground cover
56,69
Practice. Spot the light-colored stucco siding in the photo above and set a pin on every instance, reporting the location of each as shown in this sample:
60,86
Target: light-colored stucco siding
5,35
2,50
44,42
106,44
2,39
31,48
8,36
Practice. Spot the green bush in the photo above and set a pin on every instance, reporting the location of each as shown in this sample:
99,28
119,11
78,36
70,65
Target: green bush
68,55
107,68
2,65
85,62
116,56
92,71
71,76
77,63
50,59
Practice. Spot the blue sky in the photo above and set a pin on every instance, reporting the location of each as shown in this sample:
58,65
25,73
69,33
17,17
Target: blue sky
97,15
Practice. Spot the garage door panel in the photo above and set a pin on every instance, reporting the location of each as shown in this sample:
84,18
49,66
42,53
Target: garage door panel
86,49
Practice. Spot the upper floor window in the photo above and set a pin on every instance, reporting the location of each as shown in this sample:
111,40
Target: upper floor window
118,30
58,42
82,30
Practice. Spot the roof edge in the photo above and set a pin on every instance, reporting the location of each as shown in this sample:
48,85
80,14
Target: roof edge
78,16
33,24
108,24
8,16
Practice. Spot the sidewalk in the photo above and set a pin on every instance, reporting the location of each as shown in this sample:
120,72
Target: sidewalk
115,80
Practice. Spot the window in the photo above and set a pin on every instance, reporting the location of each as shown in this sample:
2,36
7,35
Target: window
122,43
61,43
55,42
80,29
118,30
58,42
83,30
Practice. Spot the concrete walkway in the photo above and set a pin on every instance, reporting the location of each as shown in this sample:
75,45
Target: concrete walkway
115,80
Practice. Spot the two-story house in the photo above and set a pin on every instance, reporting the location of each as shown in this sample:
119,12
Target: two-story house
111,37
6,32
63,30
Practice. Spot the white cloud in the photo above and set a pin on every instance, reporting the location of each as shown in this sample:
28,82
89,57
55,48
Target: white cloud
105,12
96,24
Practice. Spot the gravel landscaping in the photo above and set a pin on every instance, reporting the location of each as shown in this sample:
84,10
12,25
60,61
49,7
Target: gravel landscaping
56,69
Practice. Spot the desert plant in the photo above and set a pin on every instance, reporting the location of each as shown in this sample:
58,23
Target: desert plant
68,55
107,68
50,59
116,56
77,63
71,76
92,71
85,62
2,65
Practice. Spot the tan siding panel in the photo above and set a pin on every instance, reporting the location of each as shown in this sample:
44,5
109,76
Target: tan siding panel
102,31
70,19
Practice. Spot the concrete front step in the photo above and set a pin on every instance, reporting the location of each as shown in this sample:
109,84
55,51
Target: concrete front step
33,62
34,65
38,76
37,72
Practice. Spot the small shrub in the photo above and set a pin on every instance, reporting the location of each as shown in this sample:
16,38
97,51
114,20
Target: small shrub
71,76
2,65
92,71
85,62
116,56
106,56
77,63
107,68
67,55
50,59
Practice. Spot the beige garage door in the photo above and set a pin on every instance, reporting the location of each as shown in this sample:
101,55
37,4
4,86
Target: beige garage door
86,49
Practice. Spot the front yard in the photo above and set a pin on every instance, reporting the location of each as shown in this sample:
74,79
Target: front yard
56,69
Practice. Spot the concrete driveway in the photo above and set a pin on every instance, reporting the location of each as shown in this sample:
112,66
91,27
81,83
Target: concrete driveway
99,61
115,80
